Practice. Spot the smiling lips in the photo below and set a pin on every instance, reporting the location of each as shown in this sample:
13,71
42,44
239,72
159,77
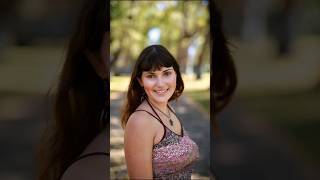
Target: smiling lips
161,92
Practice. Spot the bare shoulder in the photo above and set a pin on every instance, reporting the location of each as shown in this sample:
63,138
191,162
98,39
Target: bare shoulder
141,122
90,167
140,119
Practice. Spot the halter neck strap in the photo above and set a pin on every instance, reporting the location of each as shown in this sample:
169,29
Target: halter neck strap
153,108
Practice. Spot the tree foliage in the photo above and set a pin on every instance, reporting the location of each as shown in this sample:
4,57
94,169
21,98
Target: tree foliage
181,25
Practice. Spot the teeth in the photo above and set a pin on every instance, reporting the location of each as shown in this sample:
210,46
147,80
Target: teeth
160,92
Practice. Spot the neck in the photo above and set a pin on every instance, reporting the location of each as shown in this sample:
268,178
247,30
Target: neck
161,106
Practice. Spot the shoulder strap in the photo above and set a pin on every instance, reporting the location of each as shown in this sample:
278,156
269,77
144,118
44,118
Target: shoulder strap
151,115
153,109
157,118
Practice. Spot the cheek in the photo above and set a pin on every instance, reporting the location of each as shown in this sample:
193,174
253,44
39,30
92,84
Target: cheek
148,84
172,80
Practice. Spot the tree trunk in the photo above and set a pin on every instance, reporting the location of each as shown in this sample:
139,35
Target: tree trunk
197,67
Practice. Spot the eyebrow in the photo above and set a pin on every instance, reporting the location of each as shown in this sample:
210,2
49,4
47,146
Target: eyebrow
152,72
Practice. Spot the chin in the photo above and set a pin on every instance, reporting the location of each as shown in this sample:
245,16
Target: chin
160,100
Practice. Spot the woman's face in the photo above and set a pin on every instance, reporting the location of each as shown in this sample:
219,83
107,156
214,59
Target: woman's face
159,85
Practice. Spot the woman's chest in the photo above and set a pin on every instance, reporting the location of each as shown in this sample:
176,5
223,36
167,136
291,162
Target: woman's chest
174,153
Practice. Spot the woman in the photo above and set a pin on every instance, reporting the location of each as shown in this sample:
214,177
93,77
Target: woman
155,143
75,147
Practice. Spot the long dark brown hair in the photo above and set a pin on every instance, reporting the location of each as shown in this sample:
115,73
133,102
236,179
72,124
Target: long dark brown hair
223,73
223,81
80,95
151,58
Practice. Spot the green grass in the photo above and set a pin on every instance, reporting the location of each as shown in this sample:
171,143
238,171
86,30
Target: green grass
119,83
295,113
202,97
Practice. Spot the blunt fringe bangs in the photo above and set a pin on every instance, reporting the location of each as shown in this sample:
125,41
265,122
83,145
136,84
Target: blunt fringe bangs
154,58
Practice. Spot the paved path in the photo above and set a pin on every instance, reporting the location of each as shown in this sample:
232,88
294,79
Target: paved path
249,148
195,122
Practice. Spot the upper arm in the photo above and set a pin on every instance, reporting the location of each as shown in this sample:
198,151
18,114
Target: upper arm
91,167
138,143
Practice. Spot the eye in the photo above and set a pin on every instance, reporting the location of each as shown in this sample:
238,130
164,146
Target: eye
150,76
167,73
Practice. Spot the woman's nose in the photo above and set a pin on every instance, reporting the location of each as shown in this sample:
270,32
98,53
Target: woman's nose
160,81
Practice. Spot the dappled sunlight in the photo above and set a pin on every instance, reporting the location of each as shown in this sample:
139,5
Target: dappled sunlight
116,133
119,83
191,84
196,176
114,120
